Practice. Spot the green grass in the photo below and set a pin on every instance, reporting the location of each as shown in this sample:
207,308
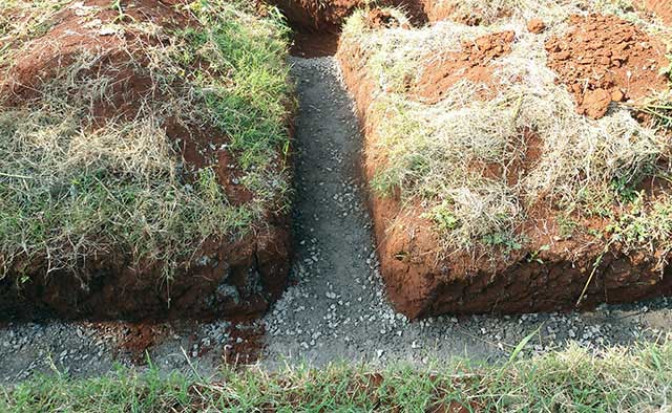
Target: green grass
573,380
70,191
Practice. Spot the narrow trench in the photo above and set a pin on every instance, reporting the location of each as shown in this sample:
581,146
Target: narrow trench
336,309
336,289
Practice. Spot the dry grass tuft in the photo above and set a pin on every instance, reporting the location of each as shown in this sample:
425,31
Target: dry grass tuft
551,11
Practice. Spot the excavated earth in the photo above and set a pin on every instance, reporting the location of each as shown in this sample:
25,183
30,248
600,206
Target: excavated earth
236,277
420,280
605,59
335,309
661,8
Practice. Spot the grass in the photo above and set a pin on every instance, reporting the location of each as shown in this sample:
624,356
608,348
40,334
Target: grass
575,379
74,187
441,155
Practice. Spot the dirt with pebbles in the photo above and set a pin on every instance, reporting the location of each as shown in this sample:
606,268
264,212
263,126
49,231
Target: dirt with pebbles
336,309
605,59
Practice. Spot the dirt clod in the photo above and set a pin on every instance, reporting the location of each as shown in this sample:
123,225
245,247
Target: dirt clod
472,63
604,59
536,26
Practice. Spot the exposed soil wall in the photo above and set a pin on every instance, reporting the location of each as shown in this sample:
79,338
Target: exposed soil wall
423,280
236,276
319,16
226,279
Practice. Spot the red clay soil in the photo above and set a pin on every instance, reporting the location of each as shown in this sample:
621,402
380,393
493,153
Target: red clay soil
438,10
472,63
247,344
137,339
329,16
605,59
309,45
423,280
226,277
536,26
661,8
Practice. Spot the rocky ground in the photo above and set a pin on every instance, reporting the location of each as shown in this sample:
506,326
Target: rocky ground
335,310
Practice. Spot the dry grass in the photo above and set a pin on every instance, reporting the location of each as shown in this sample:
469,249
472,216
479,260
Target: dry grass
21,21
73,188
441,153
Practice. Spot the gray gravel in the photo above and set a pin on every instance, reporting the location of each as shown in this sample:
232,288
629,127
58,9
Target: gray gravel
336,309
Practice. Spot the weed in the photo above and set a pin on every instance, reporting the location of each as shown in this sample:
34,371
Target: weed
504,241
566,226
534,256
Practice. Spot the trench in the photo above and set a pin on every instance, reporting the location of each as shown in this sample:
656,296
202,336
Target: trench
335,308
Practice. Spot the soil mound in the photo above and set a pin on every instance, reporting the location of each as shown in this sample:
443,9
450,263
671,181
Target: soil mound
127,192
472,63
513,202
605,59
467,13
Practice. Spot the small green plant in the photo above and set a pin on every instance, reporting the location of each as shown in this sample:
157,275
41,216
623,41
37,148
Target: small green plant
502,240
533,256
117,7
443,217
624,187
566,226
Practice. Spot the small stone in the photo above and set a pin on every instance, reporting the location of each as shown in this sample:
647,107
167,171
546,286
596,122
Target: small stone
617,96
